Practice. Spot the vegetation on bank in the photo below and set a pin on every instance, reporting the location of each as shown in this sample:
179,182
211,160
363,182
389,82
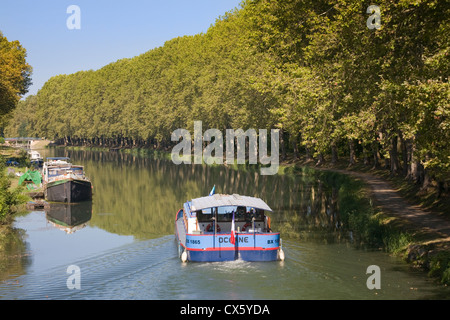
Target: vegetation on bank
12,195
372,227
15,78
12,198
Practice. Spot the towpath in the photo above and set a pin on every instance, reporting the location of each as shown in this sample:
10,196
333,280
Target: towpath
389,199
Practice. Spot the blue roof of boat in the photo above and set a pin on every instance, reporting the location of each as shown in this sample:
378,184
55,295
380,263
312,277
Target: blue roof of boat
222,200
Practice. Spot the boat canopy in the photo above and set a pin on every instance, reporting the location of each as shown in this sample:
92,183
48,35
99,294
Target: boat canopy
222,200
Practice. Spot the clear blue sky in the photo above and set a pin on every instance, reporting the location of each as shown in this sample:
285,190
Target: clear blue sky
110,30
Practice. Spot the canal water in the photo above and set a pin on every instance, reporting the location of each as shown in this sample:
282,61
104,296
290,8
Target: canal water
122,244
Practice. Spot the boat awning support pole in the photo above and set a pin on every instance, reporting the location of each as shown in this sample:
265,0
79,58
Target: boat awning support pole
214,228
254,232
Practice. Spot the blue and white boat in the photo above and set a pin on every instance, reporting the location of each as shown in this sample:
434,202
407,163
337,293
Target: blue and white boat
225,228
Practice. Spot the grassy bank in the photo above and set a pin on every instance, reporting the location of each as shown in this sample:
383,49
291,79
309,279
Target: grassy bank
376,227
12,196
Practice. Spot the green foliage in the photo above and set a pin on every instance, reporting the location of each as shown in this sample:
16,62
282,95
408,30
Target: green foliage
14,74
371,230
440,266
9,198
369,226
310,68
395,240
446,275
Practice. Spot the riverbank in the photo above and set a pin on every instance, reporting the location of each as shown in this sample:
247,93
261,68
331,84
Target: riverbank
411,223
40,144
13,196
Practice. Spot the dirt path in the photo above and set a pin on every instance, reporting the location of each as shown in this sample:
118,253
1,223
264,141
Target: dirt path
391,202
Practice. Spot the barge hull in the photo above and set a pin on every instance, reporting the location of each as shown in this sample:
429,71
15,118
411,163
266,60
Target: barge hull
69,191
215,248
231,255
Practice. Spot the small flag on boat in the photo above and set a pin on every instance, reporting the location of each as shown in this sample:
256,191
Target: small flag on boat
232,240
213,191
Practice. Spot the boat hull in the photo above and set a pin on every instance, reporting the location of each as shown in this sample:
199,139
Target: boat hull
220,255
69,190
218,247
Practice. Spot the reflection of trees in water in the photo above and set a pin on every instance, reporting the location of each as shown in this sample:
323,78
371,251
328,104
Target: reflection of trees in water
13,253
139,195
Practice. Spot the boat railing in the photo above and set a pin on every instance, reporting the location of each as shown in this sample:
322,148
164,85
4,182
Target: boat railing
185,220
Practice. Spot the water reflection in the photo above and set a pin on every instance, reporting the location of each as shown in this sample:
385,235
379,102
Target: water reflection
14,256
141,194
69,217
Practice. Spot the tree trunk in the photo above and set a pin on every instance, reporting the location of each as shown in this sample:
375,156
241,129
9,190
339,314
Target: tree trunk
405,154
426,180
352,159
308,154
394,155
321,159
282,145
295,146
366,156
409,146
334,153
414,166
376,158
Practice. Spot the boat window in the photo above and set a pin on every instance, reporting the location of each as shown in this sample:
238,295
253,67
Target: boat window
62,170
225,214
77,171
259,215
204,215
241,214
251,213
56,172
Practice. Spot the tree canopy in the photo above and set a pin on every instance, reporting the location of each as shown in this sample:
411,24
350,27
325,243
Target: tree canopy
311,68
15,74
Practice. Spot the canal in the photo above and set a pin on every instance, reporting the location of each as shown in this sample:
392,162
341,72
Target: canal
122,243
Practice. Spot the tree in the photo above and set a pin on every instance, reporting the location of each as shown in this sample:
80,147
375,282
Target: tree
312,69
15,74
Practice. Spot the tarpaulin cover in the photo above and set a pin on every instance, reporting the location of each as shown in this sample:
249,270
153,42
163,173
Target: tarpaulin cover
34,176
222,200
